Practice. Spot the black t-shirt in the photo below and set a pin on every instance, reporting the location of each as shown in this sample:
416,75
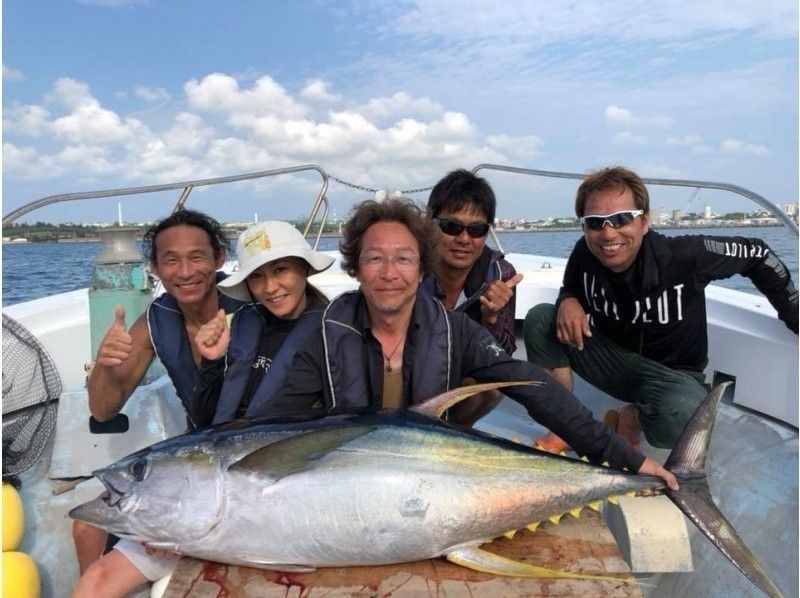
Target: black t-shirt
275,332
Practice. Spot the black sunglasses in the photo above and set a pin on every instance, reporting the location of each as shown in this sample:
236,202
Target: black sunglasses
453,228
615,220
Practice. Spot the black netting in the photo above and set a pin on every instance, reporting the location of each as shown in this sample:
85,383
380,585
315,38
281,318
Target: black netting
31,387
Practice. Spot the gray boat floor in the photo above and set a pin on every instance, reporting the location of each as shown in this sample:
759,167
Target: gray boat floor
752,468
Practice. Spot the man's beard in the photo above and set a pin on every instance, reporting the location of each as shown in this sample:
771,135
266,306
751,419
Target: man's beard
388,308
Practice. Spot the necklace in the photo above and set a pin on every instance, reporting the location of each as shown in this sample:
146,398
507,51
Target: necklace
388,357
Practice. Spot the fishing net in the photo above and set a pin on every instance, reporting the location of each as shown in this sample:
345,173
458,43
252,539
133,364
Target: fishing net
31,387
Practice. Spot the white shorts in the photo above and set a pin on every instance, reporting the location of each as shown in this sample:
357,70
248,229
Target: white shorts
151,566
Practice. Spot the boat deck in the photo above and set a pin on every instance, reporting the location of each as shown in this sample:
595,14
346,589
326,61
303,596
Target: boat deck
752,468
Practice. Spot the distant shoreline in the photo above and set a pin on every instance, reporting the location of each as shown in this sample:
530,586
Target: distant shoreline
559,229
549,229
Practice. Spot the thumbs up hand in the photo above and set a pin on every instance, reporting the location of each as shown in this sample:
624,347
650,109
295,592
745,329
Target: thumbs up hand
213,337
117,345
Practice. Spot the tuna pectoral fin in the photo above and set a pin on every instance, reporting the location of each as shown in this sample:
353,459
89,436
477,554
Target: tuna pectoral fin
687,461
285,457
436,406
478,559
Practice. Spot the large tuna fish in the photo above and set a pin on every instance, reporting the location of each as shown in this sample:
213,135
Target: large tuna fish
375,488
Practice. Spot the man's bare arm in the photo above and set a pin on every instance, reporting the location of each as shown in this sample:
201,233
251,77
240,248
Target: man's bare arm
122,360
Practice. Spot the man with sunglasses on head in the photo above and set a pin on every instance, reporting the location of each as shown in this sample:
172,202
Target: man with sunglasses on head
645,341
468,276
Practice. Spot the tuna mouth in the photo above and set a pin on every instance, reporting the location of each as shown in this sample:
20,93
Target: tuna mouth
111,497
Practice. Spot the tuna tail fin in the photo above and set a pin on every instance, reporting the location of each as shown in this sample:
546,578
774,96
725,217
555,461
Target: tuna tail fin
687,461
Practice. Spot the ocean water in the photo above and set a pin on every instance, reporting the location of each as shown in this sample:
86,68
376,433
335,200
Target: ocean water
33,270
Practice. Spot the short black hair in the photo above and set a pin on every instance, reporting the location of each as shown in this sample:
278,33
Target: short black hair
462,189
189,218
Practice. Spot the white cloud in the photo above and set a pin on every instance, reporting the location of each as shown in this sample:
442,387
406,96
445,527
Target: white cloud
10,74
221,93
151,94
520,149
242,128
544,23
20,162
628,139
400,104
693,142
29,120
736,146
188,134
316,90
622,117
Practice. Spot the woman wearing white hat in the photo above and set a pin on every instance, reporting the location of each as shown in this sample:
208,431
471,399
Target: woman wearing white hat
242,366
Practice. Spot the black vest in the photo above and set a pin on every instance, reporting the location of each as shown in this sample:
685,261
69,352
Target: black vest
171,345
355,375
246,331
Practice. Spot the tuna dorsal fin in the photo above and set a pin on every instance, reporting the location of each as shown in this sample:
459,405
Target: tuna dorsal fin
478,559
281,458
436,406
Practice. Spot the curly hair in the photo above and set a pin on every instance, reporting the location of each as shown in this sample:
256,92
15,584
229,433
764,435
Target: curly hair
189,218
401,210
612,177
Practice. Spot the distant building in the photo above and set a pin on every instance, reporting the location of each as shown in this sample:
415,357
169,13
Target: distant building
677,215
790,209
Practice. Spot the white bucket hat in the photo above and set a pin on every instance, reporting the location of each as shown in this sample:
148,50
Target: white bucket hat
266,242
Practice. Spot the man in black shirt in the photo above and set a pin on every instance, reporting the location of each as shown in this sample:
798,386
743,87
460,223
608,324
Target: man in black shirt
387,344
646,339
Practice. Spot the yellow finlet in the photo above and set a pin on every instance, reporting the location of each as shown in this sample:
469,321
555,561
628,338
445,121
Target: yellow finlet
594,505
630,493
576,512
606,464
584,458
556,518
510,533
515,439
533,526
613,499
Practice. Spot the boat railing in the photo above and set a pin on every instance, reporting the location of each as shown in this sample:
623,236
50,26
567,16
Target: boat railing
751,195
321,201
186,188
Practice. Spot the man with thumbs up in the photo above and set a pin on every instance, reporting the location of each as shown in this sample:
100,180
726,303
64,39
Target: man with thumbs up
186,250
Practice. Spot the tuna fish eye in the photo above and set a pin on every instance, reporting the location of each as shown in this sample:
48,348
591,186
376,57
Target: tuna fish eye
138,469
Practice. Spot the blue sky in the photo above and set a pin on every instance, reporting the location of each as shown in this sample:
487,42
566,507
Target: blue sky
392,94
